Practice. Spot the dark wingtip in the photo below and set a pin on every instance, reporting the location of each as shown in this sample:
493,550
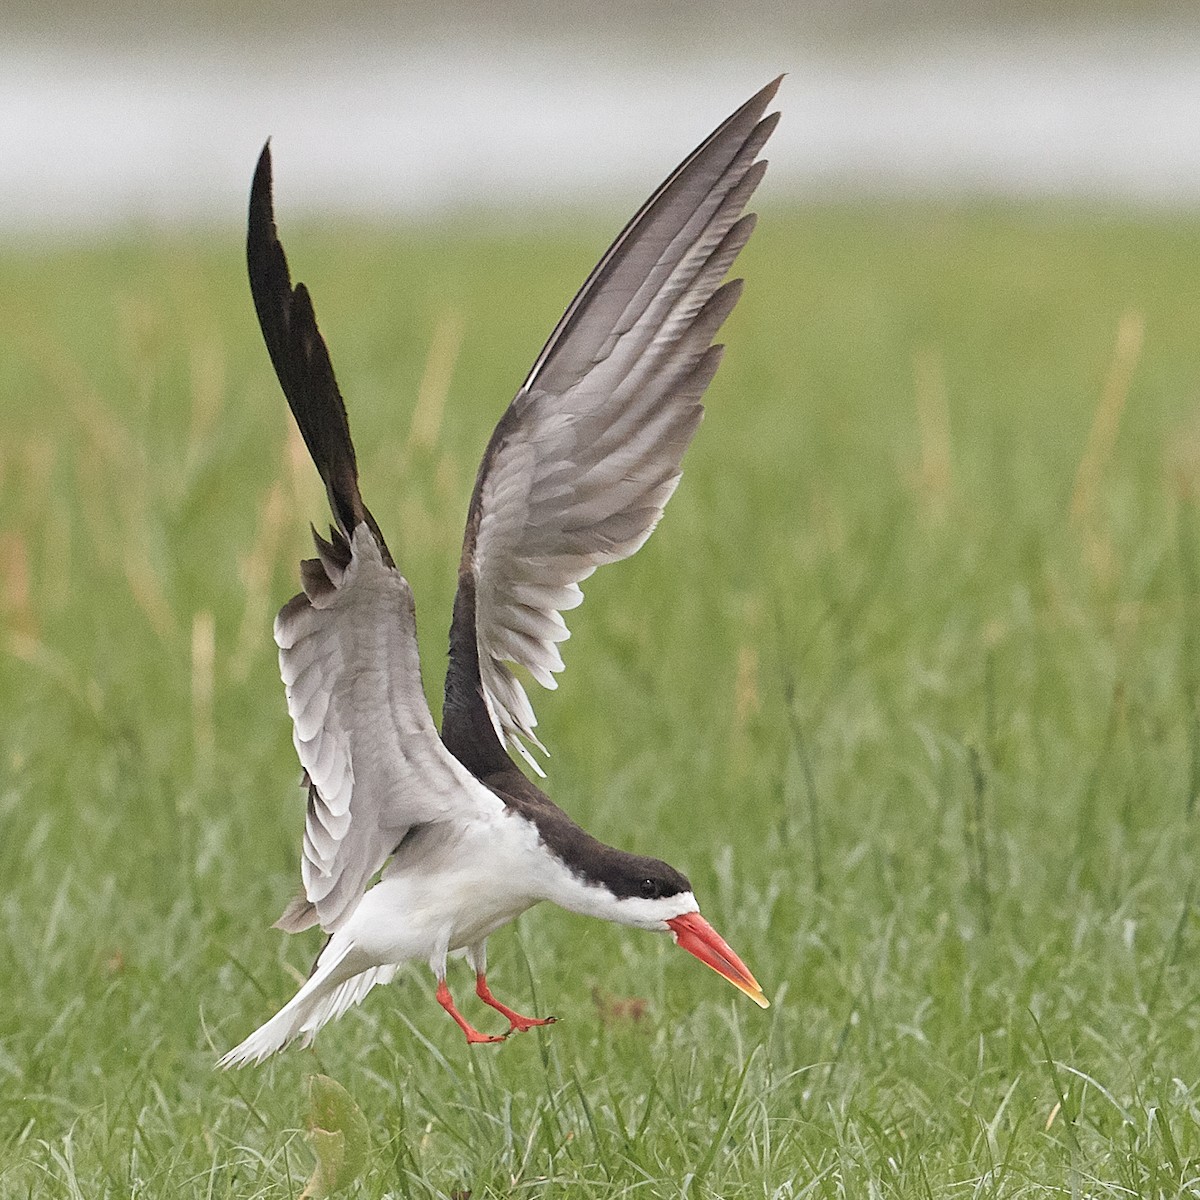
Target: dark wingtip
264,255
260,190
300,357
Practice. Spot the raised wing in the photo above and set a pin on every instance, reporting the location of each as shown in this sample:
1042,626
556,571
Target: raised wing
581,465
373,762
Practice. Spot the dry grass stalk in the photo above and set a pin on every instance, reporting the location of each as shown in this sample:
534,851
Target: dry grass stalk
435,382
1102,437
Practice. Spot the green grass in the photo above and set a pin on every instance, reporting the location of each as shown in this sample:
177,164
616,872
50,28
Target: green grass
928,745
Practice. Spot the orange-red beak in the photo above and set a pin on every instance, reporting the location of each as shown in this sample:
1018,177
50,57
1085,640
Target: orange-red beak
698,937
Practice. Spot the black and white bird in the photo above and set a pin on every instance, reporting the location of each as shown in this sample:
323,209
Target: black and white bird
576,474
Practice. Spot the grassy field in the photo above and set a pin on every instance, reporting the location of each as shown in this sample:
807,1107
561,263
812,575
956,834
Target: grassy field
908,682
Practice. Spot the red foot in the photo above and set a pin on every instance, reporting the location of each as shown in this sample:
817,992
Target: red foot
447,1002
517,1023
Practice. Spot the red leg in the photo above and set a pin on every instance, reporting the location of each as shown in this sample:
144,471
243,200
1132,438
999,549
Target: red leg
447,1002
516,1021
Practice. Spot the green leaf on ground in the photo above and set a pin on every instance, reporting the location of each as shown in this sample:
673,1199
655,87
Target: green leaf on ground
338,1134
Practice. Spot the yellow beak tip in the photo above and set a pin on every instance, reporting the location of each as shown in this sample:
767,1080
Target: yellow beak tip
753,991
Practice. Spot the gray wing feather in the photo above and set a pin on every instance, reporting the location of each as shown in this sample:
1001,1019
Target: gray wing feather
590,450
361,726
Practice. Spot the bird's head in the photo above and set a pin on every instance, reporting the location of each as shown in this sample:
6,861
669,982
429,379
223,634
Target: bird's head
649,894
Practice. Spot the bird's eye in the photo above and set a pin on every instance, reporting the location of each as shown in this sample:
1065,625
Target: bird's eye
649,889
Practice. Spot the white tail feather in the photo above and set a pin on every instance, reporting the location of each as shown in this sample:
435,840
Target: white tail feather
333,988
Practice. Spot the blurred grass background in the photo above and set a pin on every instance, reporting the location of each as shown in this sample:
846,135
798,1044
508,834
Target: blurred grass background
907,682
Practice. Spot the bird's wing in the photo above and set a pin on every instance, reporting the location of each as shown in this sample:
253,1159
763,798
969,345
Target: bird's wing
372,759
581,465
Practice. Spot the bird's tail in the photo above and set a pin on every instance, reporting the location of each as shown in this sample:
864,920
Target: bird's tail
332,988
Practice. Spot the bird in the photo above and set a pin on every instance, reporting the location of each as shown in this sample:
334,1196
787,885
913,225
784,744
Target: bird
576,474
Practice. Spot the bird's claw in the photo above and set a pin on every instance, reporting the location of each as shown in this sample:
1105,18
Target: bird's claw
475,1038
524,1024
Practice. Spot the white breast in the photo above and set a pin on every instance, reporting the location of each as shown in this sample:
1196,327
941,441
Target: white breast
449,886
